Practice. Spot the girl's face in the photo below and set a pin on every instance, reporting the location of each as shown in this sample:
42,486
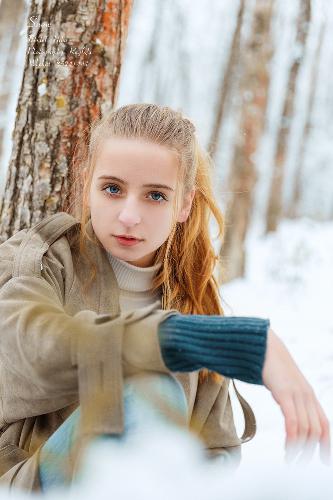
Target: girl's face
132,193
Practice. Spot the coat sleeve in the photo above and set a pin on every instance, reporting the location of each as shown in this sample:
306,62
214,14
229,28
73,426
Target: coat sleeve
42,347
219,432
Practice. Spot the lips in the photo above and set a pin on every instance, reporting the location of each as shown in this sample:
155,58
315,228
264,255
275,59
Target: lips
126,241
123,236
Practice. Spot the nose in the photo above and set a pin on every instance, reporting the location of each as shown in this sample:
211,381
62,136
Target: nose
129,214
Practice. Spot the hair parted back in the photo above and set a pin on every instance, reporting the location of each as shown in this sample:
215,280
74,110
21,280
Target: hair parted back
188,257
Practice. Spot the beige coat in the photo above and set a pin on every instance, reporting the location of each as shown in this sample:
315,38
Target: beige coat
59,350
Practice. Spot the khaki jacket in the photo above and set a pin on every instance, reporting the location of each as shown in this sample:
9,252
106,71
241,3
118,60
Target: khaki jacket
59,350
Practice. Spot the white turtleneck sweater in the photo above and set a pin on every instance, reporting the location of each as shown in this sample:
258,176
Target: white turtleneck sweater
135,283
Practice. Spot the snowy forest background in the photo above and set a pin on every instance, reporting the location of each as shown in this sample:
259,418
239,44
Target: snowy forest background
255,76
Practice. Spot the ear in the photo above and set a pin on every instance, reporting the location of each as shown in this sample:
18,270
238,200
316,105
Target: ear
187,205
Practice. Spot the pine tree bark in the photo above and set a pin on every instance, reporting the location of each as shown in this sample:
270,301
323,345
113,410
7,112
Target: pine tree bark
253,89
274,209
70,79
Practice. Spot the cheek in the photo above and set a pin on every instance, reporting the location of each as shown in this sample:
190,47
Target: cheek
92,200
161,221
95,197
99,202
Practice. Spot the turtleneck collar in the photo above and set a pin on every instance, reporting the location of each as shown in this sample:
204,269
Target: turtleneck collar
133,278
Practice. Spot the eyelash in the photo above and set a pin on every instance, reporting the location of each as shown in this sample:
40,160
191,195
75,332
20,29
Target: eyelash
116,185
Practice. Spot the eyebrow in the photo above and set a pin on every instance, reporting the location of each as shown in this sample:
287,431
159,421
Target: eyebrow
111,177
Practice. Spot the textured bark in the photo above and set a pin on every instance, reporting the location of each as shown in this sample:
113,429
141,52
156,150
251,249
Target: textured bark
274,209
70,77
228,81
254,82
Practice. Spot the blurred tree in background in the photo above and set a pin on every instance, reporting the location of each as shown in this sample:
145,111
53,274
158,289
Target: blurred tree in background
12,18
250,77
274,209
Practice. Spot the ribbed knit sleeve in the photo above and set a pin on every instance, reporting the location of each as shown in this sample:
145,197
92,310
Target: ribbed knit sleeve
232,346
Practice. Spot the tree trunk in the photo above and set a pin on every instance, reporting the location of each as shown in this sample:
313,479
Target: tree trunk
71,75
253,91
274,209
229,78
293,206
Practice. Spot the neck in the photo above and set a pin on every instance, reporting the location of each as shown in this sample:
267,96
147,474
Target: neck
133,278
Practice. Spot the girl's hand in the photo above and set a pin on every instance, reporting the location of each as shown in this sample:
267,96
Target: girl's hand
305,420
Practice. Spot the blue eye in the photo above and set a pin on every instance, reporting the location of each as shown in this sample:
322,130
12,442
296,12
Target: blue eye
158,194
112,193
111,186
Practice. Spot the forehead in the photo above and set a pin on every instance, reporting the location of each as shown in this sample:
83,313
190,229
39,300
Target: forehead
136,157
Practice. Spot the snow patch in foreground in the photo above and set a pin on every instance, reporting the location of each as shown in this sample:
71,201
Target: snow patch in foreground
163,462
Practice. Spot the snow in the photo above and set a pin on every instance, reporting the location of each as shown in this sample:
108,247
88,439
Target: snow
42,89
289,280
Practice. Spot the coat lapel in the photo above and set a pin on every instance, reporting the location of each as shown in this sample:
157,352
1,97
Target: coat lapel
106,293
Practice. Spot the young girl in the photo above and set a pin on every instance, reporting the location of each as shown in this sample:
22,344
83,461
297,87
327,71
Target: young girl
126,300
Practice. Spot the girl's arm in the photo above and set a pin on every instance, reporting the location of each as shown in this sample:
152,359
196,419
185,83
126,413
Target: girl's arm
50,359
247,349
232,346
305,420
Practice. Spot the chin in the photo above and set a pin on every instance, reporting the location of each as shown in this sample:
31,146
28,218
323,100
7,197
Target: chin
125,254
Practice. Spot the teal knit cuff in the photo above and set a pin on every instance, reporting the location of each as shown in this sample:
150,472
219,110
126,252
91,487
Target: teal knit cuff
232,346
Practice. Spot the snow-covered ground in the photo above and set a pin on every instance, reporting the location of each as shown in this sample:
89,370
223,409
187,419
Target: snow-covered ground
289,280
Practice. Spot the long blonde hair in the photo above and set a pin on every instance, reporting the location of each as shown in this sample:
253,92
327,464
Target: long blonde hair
188,257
